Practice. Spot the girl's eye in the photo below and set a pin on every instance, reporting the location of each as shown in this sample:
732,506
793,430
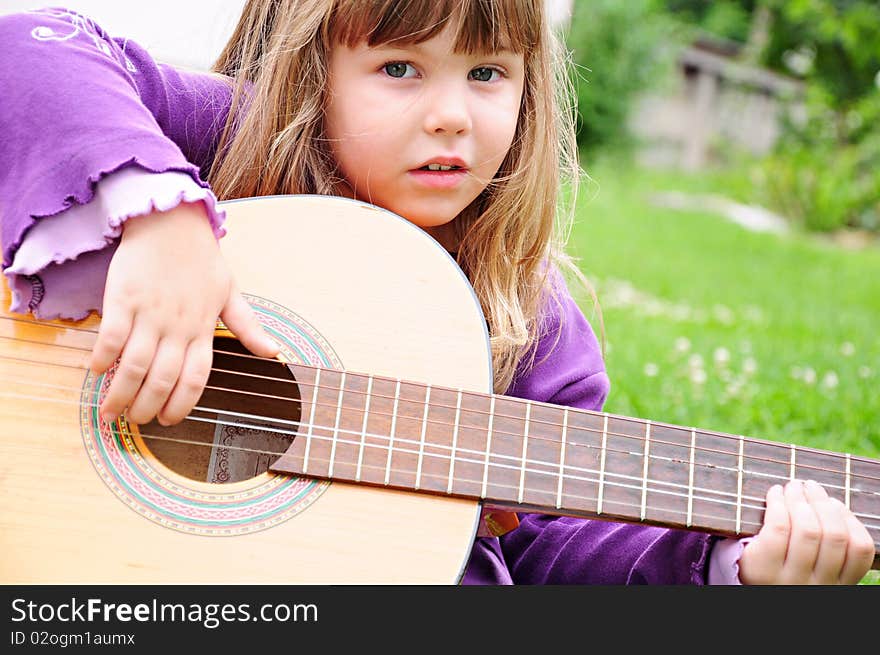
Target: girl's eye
399,69
484,74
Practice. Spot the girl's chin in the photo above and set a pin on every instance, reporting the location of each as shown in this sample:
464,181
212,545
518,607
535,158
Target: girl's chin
430,224
427,220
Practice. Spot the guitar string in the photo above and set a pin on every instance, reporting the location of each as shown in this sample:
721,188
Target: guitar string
723,503
734,470
517,467
428,475
640,422
786,463
396,439
640,454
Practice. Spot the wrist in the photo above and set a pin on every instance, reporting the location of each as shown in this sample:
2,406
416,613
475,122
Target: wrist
188,218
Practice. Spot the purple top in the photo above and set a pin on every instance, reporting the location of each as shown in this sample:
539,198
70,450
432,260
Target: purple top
105,111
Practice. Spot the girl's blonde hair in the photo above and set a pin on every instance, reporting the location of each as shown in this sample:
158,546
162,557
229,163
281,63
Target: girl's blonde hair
512,235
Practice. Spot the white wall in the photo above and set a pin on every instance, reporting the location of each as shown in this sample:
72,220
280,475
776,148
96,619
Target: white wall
183,32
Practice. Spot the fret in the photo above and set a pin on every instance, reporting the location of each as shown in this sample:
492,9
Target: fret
422,437
739,486
830,472
690,511
622,471
454,442
336,426
369,458
848,476
865,495
716,481
522,473
645,470
668,473
543,429
562,459
484,491
468,444
311,420
507,462
602,465
360,461
440,427
392,432
768,464
792,467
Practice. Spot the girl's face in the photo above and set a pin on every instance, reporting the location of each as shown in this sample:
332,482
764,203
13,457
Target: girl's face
396,112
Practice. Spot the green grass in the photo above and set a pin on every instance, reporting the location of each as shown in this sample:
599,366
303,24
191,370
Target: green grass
787,328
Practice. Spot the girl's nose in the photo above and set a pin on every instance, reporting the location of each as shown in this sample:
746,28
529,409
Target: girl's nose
447,111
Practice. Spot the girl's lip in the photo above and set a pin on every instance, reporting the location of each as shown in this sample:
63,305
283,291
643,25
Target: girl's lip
445,161
439,179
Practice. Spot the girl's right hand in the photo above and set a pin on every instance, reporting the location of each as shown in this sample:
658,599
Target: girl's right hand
166,286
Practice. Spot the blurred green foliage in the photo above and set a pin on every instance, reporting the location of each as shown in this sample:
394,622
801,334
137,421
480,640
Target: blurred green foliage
619,50
729,19
824,172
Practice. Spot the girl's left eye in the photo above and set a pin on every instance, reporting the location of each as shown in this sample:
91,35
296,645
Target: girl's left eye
399,69
484,74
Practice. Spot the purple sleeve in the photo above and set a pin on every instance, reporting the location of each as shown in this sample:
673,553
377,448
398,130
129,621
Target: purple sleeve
724,563
78,105
60,269
563,550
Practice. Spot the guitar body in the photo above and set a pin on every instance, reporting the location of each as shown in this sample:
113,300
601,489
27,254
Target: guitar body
339,283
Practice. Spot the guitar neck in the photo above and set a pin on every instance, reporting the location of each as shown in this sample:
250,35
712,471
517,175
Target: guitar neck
530,456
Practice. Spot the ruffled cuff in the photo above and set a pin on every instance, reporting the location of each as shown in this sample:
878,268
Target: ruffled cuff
60,269
724,561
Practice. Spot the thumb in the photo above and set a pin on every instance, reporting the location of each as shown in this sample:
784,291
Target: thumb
238,316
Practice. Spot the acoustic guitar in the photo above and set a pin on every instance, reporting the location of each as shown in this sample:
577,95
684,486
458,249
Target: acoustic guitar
363,454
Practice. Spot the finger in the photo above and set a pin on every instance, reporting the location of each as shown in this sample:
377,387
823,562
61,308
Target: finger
112,335
159,381
191,382
242,322
806,536
133,366
834,531
859,553
764,556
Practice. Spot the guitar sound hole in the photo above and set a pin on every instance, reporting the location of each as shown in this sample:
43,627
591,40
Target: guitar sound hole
245,420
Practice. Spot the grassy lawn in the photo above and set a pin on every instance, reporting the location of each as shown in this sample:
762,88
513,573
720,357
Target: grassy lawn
713,326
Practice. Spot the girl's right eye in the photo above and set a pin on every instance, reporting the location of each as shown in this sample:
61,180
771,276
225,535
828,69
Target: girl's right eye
399,69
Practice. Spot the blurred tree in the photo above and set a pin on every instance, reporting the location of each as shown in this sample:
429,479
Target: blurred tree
830,155
825,171
619,50
728,19
832,43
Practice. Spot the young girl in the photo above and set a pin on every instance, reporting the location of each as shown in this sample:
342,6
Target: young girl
451,113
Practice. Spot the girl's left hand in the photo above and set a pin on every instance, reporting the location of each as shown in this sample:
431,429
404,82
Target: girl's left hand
807,538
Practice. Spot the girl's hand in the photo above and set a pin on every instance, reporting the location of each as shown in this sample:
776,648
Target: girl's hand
166,286
807,538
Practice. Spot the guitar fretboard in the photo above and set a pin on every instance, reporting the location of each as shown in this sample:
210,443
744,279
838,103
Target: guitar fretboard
533,456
